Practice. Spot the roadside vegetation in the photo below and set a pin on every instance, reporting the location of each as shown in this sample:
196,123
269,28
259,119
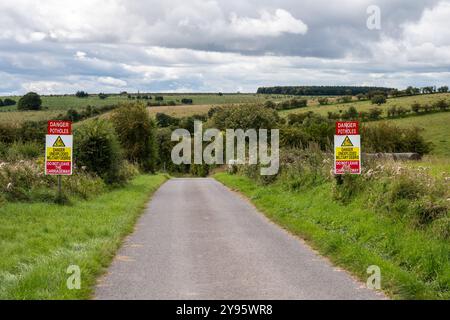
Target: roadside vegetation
40,240
43,232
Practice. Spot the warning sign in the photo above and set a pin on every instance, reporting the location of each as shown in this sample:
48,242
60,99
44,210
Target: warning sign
347,149
58,151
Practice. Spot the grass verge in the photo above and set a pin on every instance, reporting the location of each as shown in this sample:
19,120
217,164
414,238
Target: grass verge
40,241
356,238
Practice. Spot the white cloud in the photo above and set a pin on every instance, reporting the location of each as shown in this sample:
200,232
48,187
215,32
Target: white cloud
113,82
267,24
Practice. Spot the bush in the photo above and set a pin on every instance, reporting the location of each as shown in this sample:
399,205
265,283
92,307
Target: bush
323,101
245,117
25,181
23,151
346,187
441,105
9,102
97,149
385,137
375,113
378,99
137,134
199,170
415,107
344,99
159,98
30,101
102,96
186,101
164,120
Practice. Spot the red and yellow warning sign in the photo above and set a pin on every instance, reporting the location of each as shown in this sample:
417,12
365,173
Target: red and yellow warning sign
58,150
347,149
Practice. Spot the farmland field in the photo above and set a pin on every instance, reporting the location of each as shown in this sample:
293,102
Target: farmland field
201,103
65,102
435,129
404,102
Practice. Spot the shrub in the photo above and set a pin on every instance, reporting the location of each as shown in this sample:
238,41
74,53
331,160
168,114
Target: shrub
378,99
323,101
415,107
346,187
25,181
97,149
164,120
344,99
385,137
375,113
441,105
350,114
294,137
102,96
136,131
245,117
270,104
159,98
9,102
199,170
24,150
30,101
186,101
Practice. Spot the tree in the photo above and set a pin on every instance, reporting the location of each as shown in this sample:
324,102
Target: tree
30,101
102,96
378,99
137,133
443,89
81,94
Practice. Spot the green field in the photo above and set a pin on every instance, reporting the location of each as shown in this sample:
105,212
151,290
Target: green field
39,241
405,102
436,129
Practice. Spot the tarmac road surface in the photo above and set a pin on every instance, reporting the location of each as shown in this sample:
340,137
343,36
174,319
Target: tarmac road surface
199,240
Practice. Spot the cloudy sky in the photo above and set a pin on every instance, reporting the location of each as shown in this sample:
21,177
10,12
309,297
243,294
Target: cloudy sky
58,46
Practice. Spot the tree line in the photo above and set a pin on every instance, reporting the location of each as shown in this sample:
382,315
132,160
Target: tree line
320,90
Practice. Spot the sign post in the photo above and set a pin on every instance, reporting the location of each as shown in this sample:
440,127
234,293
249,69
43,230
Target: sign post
58,149
347,148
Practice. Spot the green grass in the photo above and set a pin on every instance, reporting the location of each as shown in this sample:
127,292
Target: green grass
40,240
22,116
404,102
414,264
436,128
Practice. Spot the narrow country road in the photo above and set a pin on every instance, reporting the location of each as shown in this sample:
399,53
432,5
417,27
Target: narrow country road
199,240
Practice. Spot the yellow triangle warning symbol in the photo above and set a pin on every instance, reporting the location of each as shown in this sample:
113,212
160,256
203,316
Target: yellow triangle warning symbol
347,142
59,142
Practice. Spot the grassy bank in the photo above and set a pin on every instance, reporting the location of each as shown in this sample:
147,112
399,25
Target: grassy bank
414,264
40,240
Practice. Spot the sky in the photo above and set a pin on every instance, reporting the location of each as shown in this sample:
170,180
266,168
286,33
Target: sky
57,46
